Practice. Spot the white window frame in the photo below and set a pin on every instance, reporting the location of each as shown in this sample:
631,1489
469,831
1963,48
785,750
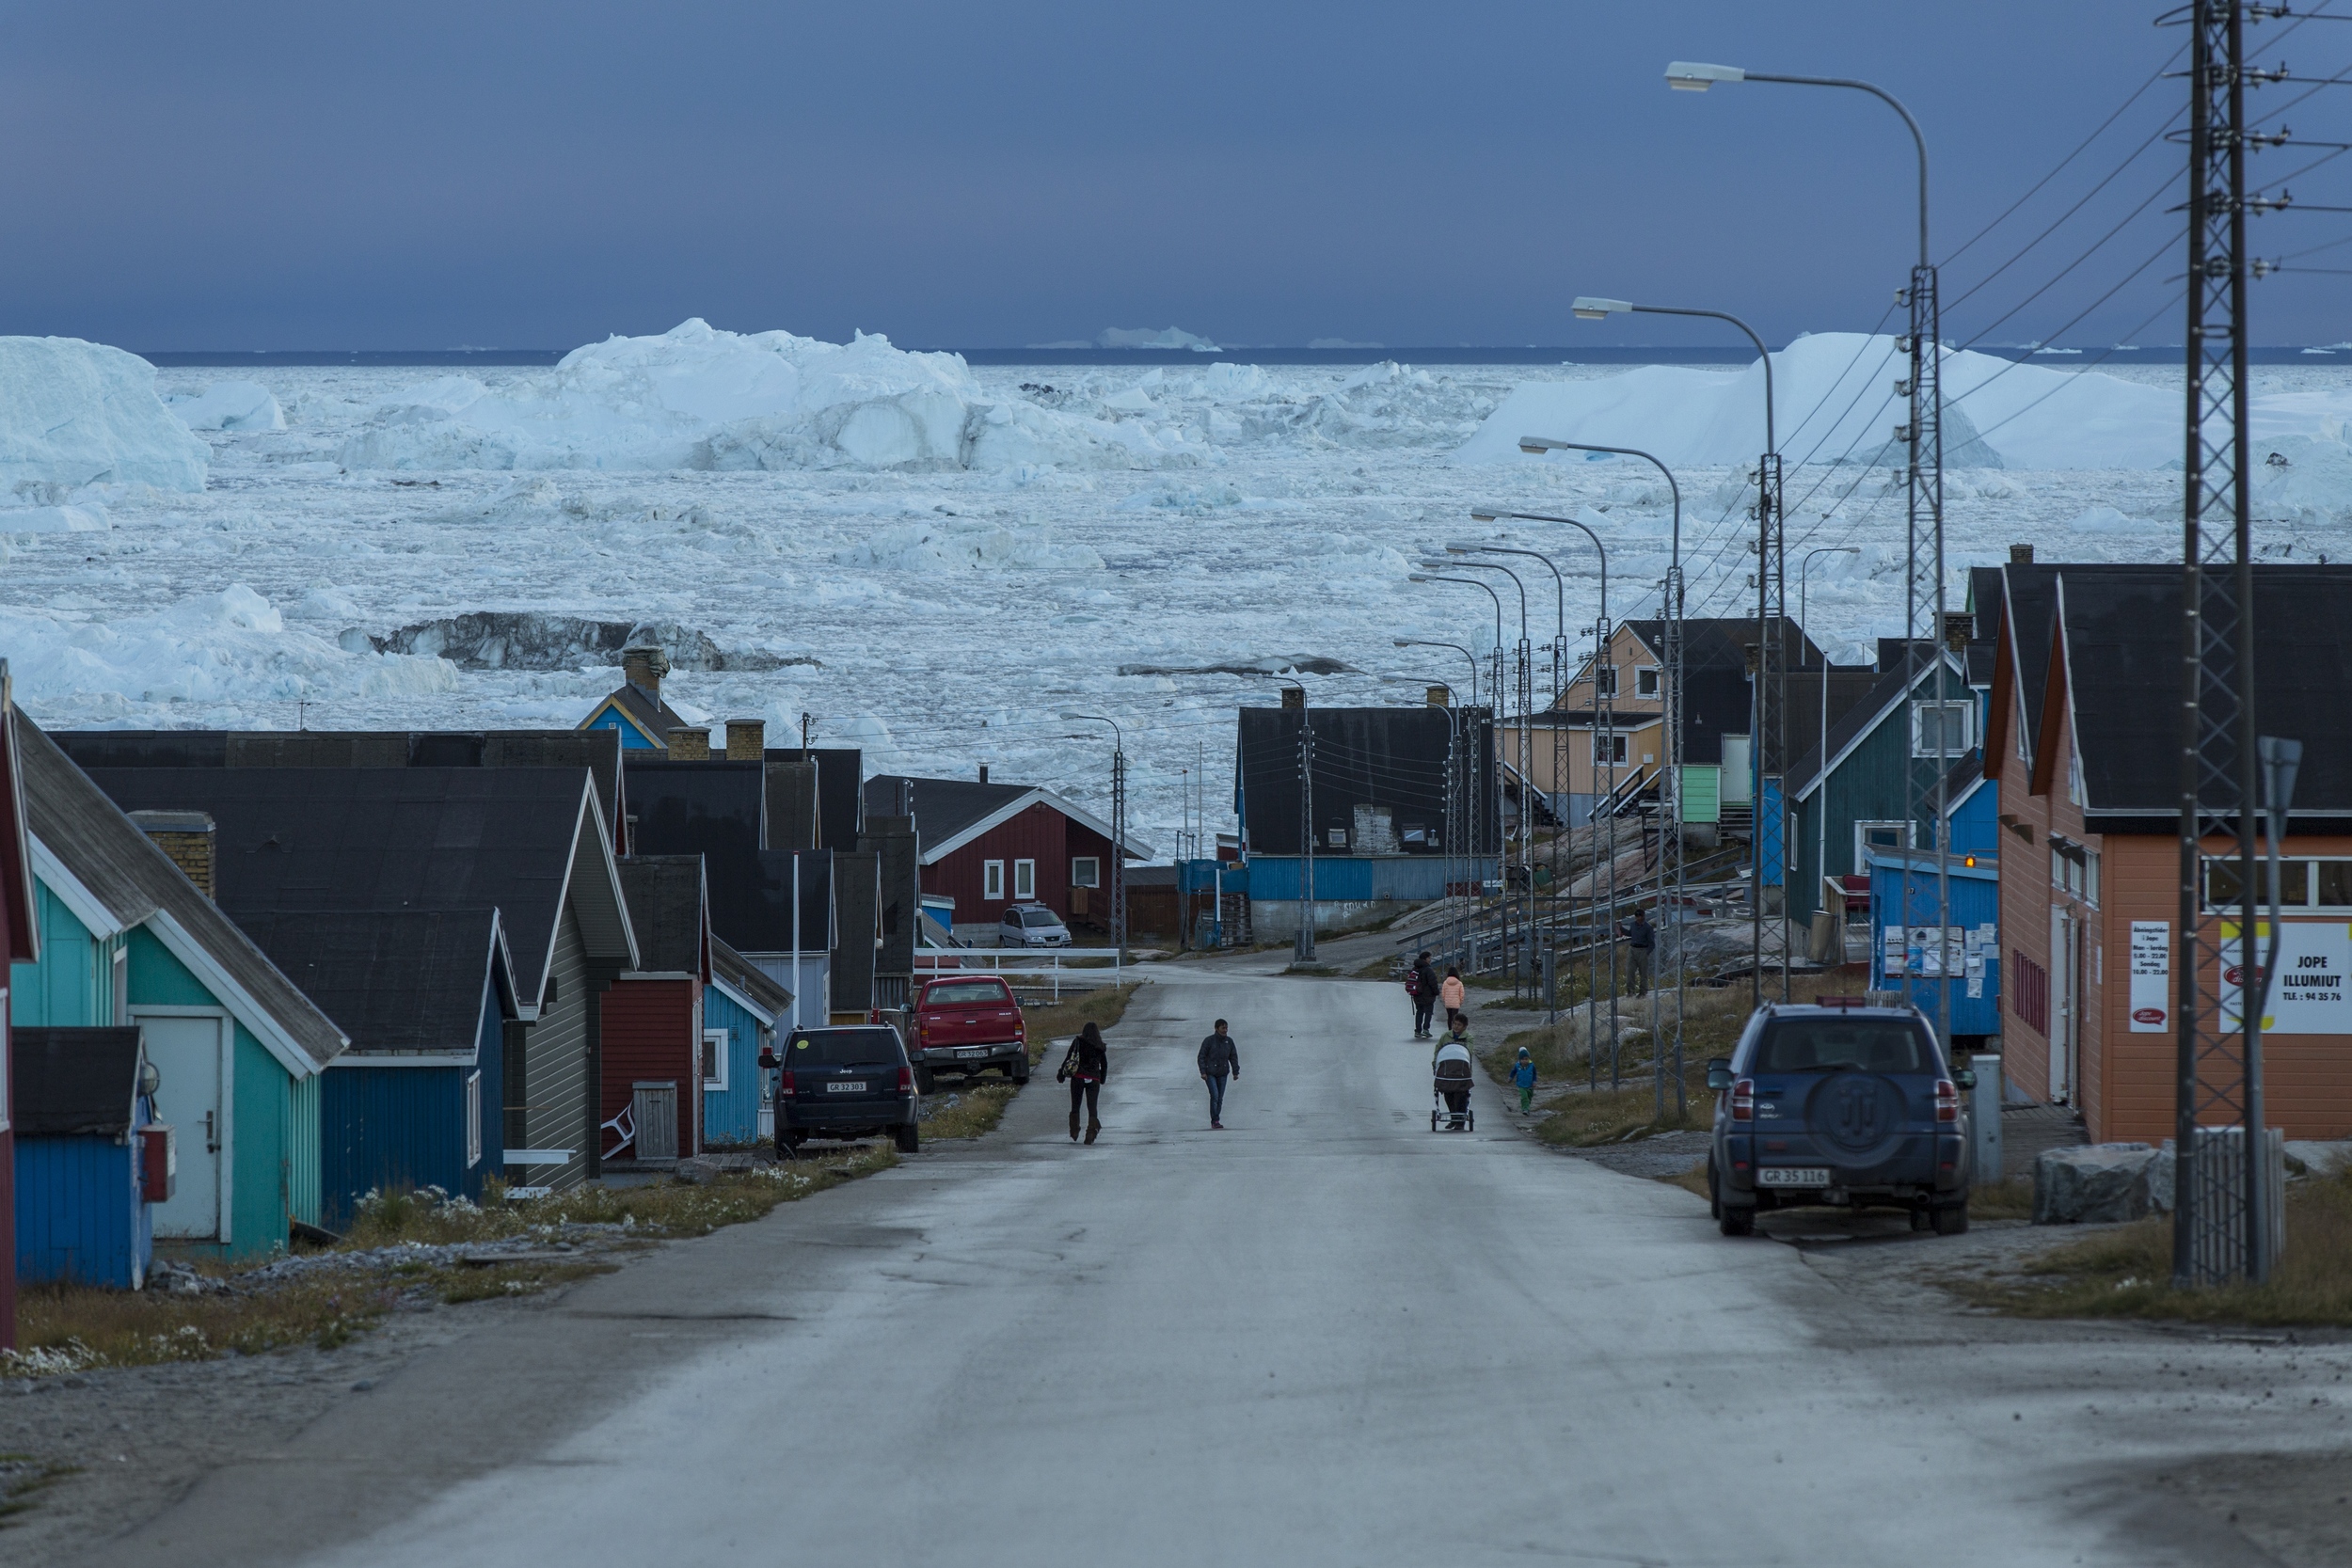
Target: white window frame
1605,680
716,1082
1862,840
1649,676
1086,871
1024,880
473,1118
2310,882
991,880
1920,749
1624,748
1338,837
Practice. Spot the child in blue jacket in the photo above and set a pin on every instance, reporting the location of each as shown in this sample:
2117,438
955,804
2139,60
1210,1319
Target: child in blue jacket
1523,1075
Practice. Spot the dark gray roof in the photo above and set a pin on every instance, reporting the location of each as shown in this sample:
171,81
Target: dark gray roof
856,892
1391,757
715,809
840,796
2029,616
668,910
656,716
733,969
893,839
943,807
1722,643
791,802
135,883
1883,700
751,904
397,980
303,840
72,1083
598,750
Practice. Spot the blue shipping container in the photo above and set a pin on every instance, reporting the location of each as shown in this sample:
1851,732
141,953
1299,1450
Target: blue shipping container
1903,917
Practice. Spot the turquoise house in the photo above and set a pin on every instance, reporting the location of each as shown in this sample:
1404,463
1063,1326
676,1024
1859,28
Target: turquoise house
129,940
741,1007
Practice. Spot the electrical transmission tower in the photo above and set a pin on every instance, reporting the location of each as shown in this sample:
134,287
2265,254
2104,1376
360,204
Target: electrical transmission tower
2220,1216
1305,946
1930,749
1765,829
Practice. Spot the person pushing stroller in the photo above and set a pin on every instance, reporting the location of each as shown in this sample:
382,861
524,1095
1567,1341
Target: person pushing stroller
1450,1073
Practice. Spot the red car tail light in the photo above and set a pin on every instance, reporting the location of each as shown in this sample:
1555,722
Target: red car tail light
906,1078
1743,1099
1947,1099
785,1089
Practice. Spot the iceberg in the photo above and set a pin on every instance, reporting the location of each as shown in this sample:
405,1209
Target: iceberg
1144,337
1836,401
699,398
228,405
75,413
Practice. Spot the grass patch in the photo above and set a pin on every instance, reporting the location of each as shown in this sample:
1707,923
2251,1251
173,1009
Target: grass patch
1053,1021
1692,1180
512,1279
977,1109
1381,969
63,1328
2011,1199
1621,1115
2127,1272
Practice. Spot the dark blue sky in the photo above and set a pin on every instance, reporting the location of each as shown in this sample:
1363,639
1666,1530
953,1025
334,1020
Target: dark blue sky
520,173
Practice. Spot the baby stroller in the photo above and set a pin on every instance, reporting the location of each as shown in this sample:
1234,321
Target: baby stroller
1450,1093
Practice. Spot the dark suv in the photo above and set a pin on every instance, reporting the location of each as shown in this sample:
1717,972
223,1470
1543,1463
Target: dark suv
1854,1106
852,1082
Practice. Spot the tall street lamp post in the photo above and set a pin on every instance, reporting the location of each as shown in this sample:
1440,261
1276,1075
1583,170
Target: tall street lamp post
1493,803
1525,767
1119,827
1820,735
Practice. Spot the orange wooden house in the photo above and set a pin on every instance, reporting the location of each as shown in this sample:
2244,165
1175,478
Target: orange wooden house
2083,735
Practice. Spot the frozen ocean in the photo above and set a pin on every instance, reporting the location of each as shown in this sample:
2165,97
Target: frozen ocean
939,563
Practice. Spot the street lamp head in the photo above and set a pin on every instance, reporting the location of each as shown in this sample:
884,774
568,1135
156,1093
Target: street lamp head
1416,577
1535,446
1484,514
1591,307
1691,76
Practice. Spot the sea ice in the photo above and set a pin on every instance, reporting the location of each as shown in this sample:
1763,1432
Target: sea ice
74,413
52,520
228,405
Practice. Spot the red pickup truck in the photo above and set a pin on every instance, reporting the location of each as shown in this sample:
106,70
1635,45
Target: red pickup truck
969,1023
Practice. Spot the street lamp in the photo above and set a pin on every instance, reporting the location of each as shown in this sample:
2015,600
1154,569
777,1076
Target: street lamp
1457,804
1770,594
1821,737
1497,802
1525,768
1419,643
1670,612
1119,827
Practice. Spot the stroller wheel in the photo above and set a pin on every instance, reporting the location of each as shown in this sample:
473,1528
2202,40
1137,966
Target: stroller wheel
1469,1121
1433,1121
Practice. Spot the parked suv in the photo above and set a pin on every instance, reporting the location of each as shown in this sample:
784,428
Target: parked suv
852,1081
1031,926
969,1025
1852,1106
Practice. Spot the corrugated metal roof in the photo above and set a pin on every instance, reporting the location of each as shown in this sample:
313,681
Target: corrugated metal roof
1392,758
73,1082
397,980
668,910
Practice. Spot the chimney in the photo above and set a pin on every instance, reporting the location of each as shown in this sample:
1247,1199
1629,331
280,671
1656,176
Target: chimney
983,772
187,838
2021,555
689,744
747,740
1440,696
644,667
1959,628
1295,699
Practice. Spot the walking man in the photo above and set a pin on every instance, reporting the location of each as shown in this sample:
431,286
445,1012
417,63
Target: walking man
1421,984
1218,1060
1640,941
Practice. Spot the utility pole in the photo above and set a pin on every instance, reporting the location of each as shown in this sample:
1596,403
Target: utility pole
2220,1216
1305,946
806,720
1771,708
1118,849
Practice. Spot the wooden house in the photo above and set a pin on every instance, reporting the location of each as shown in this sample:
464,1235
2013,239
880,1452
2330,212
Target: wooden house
989,845
635,710
428,997
19,942
85,1215
531,843
651,1099
2082,741
129,939
742,1009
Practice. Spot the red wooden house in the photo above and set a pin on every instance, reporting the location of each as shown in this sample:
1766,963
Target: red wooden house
19,942
988,845
653,1068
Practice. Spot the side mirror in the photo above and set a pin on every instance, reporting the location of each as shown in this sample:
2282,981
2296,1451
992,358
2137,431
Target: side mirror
1965,1077
1719,1074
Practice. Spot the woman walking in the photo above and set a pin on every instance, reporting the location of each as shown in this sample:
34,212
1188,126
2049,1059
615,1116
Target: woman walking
1085,1067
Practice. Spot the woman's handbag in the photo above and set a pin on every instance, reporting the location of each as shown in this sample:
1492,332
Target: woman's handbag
1069,1064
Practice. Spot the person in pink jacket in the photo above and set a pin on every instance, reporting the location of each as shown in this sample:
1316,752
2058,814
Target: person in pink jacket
1453,995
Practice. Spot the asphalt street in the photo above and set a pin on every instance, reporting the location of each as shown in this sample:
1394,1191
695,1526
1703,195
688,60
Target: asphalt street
1325,1336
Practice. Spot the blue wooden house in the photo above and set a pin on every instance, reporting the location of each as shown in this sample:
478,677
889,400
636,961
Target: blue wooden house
427,996
742,1008
78,1107
129,939
19,942
635,709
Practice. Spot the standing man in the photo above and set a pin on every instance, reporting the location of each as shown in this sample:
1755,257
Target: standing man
1640,941
1421,984
1218,1060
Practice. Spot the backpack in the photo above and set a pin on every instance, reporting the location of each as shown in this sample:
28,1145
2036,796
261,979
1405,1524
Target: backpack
1413,982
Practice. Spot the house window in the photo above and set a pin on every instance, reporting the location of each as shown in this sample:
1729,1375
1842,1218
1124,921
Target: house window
1940,729
1604,680
2302,883
1878,835
473,1118
715,1059
1646,681
1086,871
991,879
1024,879
1609,748
1338,838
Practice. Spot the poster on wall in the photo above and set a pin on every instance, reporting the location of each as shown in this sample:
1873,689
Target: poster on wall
1916,951
2311,991
2152,976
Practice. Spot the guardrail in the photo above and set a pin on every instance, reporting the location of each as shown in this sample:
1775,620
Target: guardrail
931,962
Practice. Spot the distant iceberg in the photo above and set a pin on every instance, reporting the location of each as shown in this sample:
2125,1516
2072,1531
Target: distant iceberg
1144,337
75,413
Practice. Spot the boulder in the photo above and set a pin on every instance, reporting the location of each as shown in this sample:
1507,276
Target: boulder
697,1171
2099,1184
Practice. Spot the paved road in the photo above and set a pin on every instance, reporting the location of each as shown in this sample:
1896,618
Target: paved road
1323,1336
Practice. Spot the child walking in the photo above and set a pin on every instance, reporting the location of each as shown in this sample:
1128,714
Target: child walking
1523,1075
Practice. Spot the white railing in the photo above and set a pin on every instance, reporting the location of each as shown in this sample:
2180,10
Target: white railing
935,961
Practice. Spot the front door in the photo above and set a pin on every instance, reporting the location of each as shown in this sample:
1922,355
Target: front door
2065,1002
191,1059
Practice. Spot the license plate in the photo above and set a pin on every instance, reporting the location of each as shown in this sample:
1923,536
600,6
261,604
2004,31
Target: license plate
1792,1175
974,1051
857,1087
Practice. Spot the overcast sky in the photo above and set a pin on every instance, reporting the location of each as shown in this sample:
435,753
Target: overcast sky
532,173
